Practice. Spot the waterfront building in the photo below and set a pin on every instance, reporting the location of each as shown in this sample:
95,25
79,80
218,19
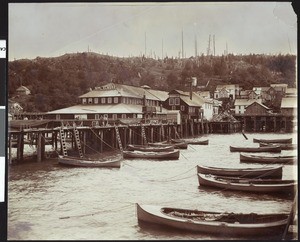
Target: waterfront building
116,101
240,105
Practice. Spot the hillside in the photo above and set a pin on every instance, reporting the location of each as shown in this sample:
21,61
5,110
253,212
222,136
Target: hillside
57,82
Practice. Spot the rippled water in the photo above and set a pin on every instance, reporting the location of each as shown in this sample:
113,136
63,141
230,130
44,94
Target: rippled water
47,201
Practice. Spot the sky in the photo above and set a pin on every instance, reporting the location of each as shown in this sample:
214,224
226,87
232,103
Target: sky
154,29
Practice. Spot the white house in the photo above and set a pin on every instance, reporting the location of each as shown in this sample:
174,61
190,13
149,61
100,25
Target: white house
241,104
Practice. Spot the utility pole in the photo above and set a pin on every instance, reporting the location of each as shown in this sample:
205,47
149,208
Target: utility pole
214,45
162,48
145,44
208,48
196,52
182,52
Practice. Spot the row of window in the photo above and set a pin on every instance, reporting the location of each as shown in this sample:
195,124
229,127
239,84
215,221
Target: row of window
113,116
125,100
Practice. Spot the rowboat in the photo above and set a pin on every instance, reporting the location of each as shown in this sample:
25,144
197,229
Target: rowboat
289,140
282,146
260,172
268,159
256,149
150,148
164,155
221,223
178,145
248,185
86,162
197,142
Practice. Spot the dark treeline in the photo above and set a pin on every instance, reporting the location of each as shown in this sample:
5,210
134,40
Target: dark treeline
57,82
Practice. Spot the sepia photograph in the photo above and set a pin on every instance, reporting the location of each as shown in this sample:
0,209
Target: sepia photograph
152,121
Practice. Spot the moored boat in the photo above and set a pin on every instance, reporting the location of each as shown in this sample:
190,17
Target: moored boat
256,149
164,155
282,146
197,142
268,159
248,184
150,148
85,162
288,140
259,172
220,223
177,145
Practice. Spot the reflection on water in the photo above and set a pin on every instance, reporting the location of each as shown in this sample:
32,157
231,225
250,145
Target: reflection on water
52,202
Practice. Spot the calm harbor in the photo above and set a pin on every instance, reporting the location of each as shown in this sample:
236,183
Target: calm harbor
49,201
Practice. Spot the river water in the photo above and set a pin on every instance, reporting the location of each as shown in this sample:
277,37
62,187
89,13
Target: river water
47,201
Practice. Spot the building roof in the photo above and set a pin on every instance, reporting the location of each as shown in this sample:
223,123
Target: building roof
23,88
114,108
289,102
115,90
227,86
264,106
246,102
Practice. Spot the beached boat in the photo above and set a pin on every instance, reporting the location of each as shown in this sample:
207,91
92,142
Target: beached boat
150,148
256,149
248,184
289,140
164,155
88,162
219,223
182,145
259,172
197,142
284,159
282,146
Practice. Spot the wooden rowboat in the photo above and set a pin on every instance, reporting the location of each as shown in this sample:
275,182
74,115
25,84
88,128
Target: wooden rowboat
260,172
85,162
242,224
197,142
268,159
282,146
179,145
248,185
289,140
150,148
256,149
166,155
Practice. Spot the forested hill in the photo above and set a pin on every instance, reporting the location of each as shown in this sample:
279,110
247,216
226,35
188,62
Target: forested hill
57,82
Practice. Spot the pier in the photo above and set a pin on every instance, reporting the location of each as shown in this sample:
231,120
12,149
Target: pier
94,136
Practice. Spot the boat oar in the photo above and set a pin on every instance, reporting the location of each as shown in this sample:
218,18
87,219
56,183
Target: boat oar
244,135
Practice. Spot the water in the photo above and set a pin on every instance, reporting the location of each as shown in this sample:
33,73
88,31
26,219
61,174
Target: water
47,201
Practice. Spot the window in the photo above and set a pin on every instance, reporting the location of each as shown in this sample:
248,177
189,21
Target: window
96,100
177,101
83,100
171,101
103,100
97,116
90,100
173,107
134,115
109,100
114,116
182,107
115,99
57,116
123,115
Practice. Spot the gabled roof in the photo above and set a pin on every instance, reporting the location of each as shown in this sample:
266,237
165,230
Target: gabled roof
255,102
289,102
246,102
117,90
23,88
227,86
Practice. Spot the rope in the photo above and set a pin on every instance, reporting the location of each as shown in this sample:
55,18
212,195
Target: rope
101,211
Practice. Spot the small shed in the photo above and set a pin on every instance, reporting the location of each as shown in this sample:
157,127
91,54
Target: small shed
22,90
257,109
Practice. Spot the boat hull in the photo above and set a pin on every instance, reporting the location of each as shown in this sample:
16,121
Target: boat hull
171,155
81,162
289,140
268,160
275,149
282,146
264,172
154,215
248,185
150,148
